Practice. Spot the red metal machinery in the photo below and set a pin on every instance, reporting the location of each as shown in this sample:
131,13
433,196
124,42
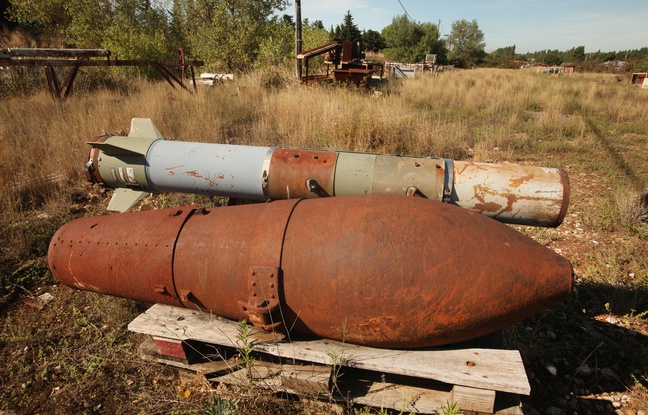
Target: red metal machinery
347,58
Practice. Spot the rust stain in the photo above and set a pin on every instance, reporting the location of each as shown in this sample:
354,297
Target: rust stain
170,170
289,170
544,212
212,182
515,183
488,207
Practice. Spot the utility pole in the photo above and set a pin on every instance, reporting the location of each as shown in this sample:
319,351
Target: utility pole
298,38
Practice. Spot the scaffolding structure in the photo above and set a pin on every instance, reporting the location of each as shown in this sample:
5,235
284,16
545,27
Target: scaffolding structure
51,59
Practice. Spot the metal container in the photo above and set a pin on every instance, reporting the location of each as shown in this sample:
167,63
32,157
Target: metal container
376,270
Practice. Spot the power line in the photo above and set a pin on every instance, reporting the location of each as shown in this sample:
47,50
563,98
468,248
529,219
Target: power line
406,14
441,29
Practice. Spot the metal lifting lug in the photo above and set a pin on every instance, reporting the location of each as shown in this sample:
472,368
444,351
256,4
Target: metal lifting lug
413,191
262,307
161,289
313,186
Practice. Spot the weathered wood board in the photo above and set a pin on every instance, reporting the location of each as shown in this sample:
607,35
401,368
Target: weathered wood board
420,381
490,369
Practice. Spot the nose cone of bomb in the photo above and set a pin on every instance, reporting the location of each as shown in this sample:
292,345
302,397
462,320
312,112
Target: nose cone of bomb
407,272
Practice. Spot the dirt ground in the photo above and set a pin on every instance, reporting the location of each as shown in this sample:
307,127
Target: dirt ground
72,353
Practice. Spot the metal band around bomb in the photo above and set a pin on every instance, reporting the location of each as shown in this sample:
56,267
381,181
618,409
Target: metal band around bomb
448,182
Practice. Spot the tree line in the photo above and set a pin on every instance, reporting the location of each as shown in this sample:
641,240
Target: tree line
633,59
227,35
235,35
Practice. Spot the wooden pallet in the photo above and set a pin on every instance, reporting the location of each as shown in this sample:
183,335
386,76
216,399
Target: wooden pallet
477,379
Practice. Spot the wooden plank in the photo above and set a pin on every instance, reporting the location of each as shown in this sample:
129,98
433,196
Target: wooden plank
262,375
404,399
169,347
295,379
377,394
472,399
499,370
148,351
307,379
184,324
508,404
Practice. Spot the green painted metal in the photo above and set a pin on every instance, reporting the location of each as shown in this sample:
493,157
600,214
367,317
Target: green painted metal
395,175
354,174
123,161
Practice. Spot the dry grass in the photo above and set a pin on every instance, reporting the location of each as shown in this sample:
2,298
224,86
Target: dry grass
590,125
583,123
488,115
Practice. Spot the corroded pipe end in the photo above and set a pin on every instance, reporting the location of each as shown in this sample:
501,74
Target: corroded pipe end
564,180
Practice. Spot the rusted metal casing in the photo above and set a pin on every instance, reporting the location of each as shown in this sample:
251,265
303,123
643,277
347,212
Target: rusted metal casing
141,163
377,270
288,168
525,195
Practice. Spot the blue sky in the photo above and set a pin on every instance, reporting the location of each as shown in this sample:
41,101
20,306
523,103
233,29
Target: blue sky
531,25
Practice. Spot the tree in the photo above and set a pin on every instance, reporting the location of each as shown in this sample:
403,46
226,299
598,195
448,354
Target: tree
466,43
504,53
51,15
4,8
136,28
138,31
373,41
348,30
278,46
552,57
287,18
317,24
578,54
641,66
178,22
314,35
409,41
228,34
502,58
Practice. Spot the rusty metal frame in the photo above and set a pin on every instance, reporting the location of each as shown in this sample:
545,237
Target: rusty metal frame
76,58
304,56
345,67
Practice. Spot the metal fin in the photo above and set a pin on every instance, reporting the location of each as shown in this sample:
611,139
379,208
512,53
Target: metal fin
143,127
120,146
124,199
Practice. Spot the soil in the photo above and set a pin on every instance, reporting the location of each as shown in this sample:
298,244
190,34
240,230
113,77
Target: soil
73,353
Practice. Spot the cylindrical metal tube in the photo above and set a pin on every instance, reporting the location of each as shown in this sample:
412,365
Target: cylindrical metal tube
210,169
52,53
526,195
291,169
377,270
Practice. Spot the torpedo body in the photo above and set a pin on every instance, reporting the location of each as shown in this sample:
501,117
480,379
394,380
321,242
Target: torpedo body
143,162
375,270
